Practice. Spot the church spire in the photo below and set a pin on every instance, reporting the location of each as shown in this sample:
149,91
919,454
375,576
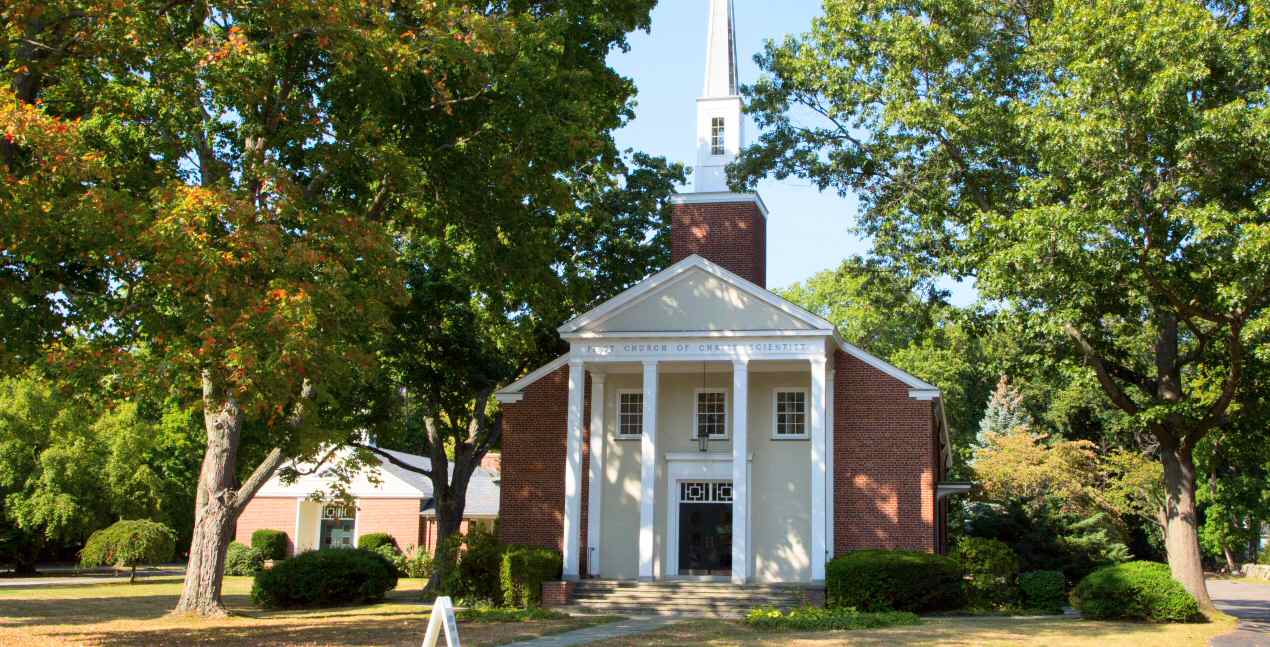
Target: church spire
721,51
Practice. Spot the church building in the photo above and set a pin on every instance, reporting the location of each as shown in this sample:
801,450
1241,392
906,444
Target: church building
702,427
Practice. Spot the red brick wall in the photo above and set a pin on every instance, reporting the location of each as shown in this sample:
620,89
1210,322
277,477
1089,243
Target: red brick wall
884,469
732,234
397,517
273,513
531,506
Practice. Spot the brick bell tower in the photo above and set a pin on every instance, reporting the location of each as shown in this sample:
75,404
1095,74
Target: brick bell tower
725,227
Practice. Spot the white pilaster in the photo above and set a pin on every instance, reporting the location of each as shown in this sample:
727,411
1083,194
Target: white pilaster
648,472
573,472
595,482
819,468
740,472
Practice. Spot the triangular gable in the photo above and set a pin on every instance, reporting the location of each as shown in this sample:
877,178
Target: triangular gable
694,295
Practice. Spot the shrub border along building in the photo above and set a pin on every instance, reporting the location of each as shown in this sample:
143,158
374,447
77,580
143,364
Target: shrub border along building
272,544
894,580
326,577
1043,590
523,571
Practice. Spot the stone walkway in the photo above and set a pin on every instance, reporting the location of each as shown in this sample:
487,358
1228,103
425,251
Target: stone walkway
69,578
1248,602
599,633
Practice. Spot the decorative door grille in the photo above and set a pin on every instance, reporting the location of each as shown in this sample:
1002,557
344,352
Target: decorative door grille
705,491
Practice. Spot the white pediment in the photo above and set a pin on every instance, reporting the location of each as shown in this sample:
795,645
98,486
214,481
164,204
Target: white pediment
695,295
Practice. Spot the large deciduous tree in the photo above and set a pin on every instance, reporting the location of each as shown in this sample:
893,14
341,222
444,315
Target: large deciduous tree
1103,165
229,184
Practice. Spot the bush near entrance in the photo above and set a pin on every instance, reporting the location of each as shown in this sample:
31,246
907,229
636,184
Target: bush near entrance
272,544
1135,591
991,569
894,580
326,577
814,619
131,544
243,560
524,569
375,540
1043,590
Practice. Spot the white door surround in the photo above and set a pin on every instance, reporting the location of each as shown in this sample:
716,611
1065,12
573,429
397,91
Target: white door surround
697,466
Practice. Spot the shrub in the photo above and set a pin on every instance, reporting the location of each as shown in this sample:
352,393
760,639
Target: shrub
1043,590
893,580
477,575
524,569
415,562
1135,591
324,578
374,540
131,544
271,543
241,559
992,570
814,619
1264,557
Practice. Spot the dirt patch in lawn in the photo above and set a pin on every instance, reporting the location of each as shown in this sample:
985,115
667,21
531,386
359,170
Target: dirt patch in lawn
122,614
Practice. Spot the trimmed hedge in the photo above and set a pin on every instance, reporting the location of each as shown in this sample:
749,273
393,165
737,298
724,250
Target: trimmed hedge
241,560
992,571
814,619
523,570
323,578
1043,590
1135,591
374,540
477,574
893,580
271,543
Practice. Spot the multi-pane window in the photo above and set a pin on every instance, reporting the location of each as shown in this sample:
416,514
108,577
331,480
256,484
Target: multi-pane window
630,414
791,413
711,414
716,136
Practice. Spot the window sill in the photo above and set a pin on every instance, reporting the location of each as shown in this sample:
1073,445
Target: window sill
783,438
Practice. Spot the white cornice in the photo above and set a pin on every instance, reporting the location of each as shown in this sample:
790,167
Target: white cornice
720,197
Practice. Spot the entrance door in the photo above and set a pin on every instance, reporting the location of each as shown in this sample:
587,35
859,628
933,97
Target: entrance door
705,528
337,527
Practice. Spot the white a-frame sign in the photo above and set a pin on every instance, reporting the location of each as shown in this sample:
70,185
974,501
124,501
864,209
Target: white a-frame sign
442,616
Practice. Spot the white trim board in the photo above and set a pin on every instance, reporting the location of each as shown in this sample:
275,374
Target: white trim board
514,392
720,197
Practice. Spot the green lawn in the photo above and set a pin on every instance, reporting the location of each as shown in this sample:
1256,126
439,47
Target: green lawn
123,614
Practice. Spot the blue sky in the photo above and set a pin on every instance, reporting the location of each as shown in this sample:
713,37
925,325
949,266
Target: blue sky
807,231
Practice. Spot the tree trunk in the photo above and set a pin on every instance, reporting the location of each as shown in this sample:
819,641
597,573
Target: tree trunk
1231,566
214,512
132,575
1181,538
443,559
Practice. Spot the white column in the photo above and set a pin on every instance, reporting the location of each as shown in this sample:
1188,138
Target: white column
740,472
819,469
648,471
595,482
573,471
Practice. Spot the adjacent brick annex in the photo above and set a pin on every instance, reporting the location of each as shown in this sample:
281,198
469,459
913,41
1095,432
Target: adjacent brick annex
886,462
531,508
732,234
397,517
275,513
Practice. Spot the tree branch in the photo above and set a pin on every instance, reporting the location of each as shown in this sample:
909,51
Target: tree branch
396,462
1117,395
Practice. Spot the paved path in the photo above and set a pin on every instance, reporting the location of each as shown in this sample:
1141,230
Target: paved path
1248,602
93,577
599,633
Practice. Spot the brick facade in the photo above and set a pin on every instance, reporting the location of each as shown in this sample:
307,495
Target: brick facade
885,470
397,517
557,594
732,234
273,513
531,505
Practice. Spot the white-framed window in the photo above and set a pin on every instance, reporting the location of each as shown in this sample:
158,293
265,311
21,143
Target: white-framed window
711,414
789,413
630,414
717,133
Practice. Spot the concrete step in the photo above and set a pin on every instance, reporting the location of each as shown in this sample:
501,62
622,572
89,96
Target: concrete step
683,598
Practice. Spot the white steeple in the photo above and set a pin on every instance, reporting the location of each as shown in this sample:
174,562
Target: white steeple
720,133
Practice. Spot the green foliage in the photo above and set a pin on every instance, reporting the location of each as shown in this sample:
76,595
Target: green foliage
479,567
272,544
1264,557
243,560
374,540
129,543
893,580
1004,413
522,572
992,570
481,613
816,619
1043,590
413,562
1135,591
323,578
1045,537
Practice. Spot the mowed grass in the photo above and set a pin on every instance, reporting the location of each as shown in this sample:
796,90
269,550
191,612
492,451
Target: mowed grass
959,632
123,614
